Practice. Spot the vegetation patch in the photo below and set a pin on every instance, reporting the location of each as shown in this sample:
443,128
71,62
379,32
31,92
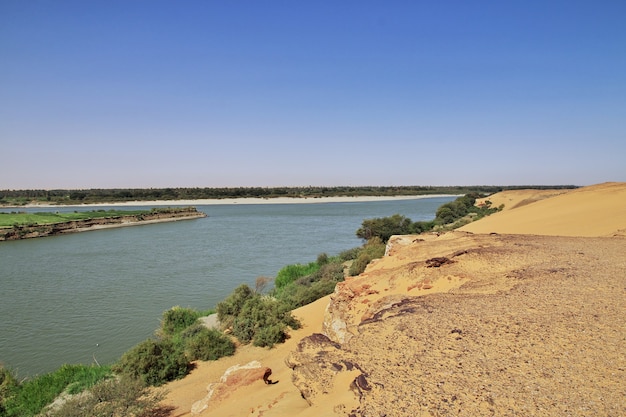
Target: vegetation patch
177,319
290,273
154,362
31,219
113,397
448,216
31,396
252,317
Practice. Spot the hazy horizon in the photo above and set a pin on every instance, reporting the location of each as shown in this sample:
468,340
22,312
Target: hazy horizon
162,94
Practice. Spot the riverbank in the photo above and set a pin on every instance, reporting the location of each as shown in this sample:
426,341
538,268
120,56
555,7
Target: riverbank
494,328
29,231
249,200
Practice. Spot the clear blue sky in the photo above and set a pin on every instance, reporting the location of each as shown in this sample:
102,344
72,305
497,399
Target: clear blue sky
106,94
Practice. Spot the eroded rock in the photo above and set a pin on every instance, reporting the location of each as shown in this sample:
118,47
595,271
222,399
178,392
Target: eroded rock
235,377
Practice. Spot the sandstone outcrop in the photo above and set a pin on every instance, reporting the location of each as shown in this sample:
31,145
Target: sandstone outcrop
235,377
463,324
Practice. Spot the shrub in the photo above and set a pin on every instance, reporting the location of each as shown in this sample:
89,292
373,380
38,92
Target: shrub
322,259
206,344
30,397
350,254
114,397
8,386
373,249
177,319
307,289
447,214
230,308
269,336
260,313
296,296
290,273
384,227
421,227
154,362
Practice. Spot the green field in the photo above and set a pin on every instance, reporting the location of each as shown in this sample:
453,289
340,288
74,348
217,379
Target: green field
33,219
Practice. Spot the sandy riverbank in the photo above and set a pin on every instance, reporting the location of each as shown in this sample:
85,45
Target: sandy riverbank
229,201
27,231
513,324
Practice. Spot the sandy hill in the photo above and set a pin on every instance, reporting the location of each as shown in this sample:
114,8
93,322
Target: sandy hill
598,210
518,314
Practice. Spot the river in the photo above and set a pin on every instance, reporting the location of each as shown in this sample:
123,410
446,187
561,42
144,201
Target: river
87,297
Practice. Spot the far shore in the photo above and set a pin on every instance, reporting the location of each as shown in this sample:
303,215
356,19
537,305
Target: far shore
249,200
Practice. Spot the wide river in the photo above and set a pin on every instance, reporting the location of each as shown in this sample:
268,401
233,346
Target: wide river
87,297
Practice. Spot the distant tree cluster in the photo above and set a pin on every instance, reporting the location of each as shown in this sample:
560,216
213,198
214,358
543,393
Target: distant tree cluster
95,195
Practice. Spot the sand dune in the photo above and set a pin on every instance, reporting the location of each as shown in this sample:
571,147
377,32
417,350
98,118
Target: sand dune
512,324
598,210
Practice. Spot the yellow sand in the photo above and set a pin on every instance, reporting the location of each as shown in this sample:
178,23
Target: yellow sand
598,210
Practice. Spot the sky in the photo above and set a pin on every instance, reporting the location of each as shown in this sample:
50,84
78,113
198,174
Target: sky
155,94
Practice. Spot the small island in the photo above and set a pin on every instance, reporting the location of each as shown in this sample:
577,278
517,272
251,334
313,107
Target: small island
22,225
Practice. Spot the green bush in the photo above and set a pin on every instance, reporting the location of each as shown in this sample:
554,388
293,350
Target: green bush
154,362
384,227
8,387
373,249
206,344
177,319
270,335
446,216
290,273
331,271
260,313
31,396
350,254
114,397
421,227
230,308
295,295
307,289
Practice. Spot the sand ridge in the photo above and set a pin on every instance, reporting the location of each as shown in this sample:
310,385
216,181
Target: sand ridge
597,210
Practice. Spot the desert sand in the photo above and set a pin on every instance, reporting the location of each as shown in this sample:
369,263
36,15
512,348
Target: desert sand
517,314
598,210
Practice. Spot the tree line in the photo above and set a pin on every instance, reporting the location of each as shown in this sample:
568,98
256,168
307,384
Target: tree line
112,195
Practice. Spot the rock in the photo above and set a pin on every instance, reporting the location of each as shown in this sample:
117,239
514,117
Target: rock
316,364
235,377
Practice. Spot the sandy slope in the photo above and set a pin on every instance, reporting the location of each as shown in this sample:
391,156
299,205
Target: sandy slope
258,398
598,210
514,325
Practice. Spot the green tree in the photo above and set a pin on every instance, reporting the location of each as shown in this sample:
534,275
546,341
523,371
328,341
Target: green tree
384,227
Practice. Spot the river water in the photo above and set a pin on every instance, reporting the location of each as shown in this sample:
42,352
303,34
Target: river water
87,297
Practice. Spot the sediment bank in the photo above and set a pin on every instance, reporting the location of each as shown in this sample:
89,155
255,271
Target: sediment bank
18,232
